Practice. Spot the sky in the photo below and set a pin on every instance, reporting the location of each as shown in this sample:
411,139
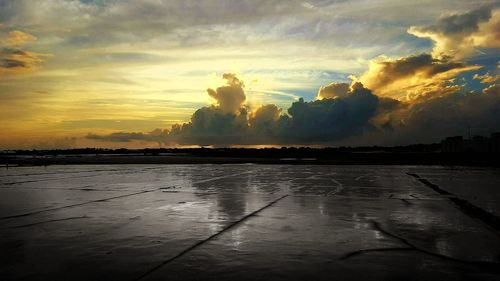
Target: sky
177,73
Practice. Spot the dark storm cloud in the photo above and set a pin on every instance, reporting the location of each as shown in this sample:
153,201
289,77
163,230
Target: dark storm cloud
212,126
331,119
433,119
410,99
266,121
358,117
319,121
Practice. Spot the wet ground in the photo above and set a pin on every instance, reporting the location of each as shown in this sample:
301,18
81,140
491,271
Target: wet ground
249,222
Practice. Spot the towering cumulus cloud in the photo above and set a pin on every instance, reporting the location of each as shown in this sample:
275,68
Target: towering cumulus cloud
416,98
230,121
306,122
230,97
223,123
357,116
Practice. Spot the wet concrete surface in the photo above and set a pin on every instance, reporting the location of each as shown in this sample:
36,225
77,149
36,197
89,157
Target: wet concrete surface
247,222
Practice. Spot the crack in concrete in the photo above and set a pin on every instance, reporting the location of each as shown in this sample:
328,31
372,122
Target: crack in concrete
74,205
64,188
47,221
111,198
471,210
406,202
359,252
53,179
213,236
494,266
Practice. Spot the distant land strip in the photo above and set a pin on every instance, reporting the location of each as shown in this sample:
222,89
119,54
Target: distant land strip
236,156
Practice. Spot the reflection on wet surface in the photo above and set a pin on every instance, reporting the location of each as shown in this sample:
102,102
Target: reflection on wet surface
247,222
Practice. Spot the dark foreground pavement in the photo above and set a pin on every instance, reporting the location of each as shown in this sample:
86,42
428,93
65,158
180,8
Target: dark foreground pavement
249,222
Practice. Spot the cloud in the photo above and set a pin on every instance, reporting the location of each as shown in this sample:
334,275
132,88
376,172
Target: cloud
433,74
13,59
230,97
157,135
319,121
431,120
17,38
357,117
212,126
487,78
265,120
492,90
333,90
93,23
414,98
457,35
413,76
328,120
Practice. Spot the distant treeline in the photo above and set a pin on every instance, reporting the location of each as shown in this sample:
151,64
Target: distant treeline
419,154
298,152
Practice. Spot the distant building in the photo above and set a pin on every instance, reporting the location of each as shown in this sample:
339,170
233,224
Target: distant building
453,144
495,142
475,144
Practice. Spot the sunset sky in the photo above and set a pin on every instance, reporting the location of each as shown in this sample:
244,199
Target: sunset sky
149,73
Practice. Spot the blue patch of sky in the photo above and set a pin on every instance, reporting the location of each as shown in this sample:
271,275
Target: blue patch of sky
416,44
488,59
308,94
96,2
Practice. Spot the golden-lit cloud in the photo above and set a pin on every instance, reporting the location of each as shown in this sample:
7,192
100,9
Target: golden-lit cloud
492,90
413,76
18,61
17,38
458,35
13,58
319,121
425,75
333,90
487,78
124,68
355,116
